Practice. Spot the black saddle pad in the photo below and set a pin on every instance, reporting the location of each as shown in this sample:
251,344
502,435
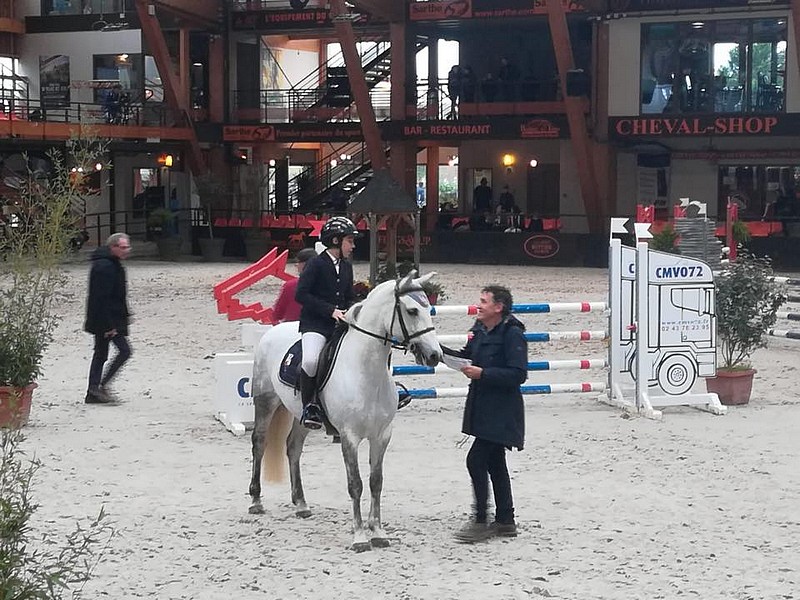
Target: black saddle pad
289,372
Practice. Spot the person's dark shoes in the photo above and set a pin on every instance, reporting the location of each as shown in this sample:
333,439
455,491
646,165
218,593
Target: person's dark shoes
96,395
472,533
312,417
498,529
109,393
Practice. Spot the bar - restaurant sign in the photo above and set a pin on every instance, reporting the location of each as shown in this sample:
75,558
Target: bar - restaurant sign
622,128
482,9
551,127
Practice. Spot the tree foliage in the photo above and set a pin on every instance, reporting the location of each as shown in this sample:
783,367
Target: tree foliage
748,300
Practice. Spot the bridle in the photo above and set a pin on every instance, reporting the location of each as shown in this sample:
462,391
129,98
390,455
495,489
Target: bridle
397,315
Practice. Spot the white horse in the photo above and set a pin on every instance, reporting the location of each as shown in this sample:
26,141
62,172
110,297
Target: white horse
359,397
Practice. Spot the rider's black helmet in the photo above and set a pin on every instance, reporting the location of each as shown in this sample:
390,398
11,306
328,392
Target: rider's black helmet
336,228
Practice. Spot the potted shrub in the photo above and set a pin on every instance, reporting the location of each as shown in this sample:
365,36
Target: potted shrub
748,300
161,226
50,201
210,189
665,240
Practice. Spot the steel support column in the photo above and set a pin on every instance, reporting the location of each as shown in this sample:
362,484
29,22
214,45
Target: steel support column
358,84
579,133
216,79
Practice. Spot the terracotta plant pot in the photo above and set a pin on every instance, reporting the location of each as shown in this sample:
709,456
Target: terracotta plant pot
732,387
15,405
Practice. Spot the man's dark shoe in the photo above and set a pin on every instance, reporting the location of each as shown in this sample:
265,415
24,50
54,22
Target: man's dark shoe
95,395
498,529
472,533
312,417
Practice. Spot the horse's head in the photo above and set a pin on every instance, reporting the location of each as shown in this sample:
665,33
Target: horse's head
411,320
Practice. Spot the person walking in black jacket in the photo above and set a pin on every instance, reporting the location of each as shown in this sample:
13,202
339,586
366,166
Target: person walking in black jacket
494,412
325,292
107,314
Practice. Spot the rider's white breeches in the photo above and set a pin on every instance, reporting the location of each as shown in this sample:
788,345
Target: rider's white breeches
312,346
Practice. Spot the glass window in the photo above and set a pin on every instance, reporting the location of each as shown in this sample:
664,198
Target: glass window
713,66
86,7
123,70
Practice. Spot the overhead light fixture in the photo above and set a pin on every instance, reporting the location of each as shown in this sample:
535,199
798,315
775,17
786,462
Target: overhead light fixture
698,24
534,163
509,160
272,162
98,167
197,64
165,160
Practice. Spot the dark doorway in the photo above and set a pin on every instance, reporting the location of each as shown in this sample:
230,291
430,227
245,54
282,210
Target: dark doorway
544,190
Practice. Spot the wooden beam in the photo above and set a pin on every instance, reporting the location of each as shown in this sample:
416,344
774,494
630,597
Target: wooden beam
178,101
579,133
358,84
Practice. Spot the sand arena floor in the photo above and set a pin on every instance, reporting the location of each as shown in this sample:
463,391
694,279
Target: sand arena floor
695,506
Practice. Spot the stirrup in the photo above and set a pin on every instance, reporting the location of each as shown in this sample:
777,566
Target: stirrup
403,396
309,420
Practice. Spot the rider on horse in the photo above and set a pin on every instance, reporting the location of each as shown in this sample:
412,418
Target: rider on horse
325,291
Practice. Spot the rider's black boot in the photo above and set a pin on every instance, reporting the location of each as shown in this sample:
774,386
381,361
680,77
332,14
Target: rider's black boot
312,413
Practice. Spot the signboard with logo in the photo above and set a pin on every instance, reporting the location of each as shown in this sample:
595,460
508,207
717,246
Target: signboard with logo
623,128
498,128
484,9
306,18
54,81
644,5
293,132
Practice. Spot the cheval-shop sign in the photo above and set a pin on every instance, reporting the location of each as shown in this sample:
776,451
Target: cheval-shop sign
622,128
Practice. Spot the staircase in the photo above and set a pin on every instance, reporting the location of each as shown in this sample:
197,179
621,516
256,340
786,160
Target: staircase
337,177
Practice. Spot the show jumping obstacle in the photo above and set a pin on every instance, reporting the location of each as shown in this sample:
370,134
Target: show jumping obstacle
542,365
677,345
793,296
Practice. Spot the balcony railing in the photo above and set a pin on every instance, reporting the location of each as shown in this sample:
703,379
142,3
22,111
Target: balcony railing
144,115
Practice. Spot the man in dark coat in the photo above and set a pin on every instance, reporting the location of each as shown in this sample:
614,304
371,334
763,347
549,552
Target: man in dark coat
494,412
107,314
325,292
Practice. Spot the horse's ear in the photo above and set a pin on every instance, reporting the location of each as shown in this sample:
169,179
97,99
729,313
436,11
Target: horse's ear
425,278
406,282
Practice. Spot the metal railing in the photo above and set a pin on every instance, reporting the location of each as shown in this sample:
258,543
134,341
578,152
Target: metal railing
123,113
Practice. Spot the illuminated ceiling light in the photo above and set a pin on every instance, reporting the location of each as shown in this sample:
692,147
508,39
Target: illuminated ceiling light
334,162
271,162
509,160
98,167
80,169
165,160
698,24
123,57
197,64
534,163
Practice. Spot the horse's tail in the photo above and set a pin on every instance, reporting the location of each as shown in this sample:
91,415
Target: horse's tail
274,462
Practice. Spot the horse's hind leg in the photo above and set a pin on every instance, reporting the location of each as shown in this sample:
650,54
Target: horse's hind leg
294,448
355,486
377,450
265,406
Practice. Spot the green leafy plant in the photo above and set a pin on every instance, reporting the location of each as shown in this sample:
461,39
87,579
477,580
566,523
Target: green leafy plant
665,240
44,568
161,221
748,300
741,234
46,216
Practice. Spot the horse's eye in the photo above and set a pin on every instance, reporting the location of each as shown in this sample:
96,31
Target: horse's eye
413,311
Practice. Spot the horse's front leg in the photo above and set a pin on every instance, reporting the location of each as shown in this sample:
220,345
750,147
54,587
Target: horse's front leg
294,448
377,450
355,486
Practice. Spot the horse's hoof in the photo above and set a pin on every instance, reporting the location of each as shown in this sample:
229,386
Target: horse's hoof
256,509
361,547
379,542
303,514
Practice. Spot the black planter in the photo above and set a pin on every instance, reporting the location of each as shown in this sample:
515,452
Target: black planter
211,249
169,248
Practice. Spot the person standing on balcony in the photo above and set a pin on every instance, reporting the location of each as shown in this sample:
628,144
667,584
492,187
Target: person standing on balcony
325,292
509,80
454,89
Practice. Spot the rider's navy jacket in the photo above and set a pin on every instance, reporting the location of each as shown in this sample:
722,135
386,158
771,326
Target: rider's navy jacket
320,290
